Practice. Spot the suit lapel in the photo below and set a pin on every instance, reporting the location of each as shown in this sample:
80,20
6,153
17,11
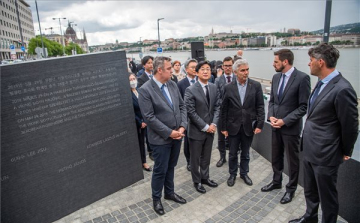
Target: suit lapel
276,86
248,89
158,91
289,83
172,95
322,94
201,92
212,94
235,91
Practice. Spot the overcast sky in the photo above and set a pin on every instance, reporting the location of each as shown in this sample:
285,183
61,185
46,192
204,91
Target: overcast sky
127,21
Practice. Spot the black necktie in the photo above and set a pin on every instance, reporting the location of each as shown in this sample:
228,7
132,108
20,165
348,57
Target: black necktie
316,92
228,79
207,93
281,90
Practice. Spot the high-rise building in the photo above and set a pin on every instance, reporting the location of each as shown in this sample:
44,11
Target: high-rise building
10,29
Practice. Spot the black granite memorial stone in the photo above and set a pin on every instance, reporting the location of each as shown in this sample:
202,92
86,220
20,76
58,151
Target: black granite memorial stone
68,135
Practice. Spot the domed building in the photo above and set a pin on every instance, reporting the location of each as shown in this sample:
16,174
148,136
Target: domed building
71,37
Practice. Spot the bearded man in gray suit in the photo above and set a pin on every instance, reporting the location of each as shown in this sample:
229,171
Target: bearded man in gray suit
202,101
164,113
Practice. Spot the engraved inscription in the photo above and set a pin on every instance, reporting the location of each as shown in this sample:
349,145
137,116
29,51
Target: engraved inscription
52,101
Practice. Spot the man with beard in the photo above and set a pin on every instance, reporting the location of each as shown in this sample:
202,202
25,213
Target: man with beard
290,90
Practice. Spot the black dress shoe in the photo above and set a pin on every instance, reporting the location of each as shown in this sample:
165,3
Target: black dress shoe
247,180
270,187
158,208
199,187
304,220
188,167
209,182
287,198
221,162
231,180
147,169
176,198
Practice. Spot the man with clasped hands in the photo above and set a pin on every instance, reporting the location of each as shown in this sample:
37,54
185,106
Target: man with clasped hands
164,113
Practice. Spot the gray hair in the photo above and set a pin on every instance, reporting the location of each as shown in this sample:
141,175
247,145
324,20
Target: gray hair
186,64
159,62
238,63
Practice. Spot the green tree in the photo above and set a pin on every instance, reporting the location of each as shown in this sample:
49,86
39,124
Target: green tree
53,48
71,46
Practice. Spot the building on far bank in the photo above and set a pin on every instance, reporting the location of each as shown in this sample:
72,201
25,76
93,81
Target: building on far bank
293,31
10,30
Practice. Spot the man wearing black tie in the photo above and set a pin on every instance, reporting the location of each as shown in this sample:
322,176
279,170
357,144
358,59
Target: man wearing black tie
329,135
290,90
203,106
189,80
220,83
242,116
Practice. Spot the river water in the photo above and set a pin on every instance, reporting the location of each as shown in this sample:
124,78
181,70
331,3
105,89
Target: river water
260,62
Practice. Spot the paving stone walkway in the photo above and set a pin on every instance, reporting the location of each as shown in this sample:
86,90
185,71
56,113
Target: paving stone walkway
240,203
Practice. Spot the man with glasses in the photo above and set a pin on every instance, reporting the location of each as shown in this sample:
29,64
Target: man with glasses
220,83
202,102
242,116
189,80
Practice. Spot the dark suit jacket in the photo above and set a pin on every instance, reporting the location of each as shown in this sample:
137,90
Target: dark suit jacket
142,79
220,83
331,127
159,116
182,85
199,111
138,117
233,114
293,104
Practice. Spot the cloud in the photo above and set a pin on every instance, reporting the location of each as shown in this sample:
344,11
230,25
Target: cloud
127,21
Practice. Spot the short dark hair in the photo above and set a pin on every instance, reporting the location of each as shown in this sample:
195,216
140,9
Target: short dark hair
327,52
202,63
285,54
159,62
145,59
228,59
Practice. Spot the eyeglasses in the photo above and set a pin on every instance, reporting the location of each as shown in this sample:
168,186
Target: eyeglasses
193,68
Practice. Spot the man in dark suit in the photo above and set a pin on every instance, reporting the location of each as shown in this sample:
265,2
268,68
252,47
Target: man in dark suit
189,80
203,106
290,90
220,83
164,113
329,135
242,116
147,63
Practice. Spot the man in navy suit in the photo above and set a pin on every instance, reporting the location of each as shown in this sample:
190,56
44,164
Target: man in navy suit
290,90
329,135
189,80
147,63
220,83
164,112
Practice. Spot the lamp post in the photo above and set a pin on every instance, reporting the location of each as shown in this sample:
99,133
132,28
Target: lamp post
41,37
159,30
63,42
